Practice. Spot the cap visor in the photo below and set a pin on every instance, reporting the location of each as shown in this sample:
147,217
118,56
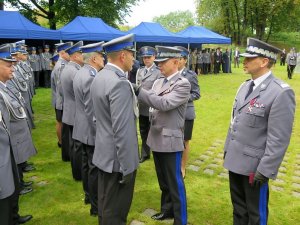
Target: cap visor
161,59
248,55
9,59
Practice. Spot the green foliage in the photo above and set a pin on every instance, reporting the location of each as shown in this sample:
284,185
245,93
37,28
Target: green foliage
60,200
176,21
242,18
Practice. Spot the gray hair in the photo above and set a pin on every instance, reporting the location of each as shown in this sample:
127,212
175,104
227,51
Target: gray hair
88,56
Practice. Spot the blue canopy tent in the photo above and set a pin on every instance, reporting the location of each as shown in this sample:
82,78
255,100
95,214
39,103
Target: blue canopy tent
89,29
156,34
201,35
15,26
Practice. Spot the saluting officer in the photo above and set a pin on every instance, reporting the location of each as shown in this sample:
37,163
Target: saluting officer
146,77
116,144
84,129
46,65
9,177
66,78
35,62
259,134
57,93
168,99
190,114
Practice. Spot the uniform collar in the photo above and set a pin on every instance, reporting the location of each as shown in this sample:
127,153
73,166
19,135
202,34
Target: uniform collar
260,79
113,65
173,75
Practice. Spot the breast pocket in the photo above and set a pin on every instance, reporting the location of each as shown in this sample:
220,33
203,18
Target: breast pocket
256,117
172,139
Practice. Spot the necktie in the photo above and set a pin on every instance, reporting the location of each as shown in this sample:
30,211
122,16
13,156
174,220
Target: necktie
165,81
251,85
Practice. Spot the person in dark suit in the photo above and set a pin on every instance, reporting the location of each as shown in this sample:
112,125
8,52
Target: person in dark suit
259,134
84,129
116,144
146,76
190,115
282,58
217,61
226,61
168,99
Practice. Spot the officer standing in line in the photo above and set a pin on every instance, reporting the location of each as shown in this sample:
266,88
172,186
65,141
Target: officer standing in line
190,115
168,99
9,177
35,62
291,61
46,65
84,129
116,144
259,134
146,76
66,78
57,96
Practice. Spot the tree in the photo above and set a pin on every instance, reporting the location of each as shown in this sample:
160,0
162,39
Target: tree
176,21
241,18
61,11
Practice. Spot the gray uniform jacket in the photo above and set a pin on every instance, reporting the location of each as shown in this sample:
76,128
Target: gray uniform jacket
116,144
7,185
66,78
191,76
25,68
46,60
35,62
260,129
56,72
291,59
21,140
167,118
146,80
84,129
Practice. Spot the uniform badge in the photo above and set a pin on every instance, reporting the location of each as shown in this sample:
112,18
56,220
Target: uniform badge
263,86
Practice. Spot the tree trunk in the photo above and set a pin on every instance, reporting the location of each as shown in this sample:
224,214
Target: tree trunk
238,22
51,15
1,5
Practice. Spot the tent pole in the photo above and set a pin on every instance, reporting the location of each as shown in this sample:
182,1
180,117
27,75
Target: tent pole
188,65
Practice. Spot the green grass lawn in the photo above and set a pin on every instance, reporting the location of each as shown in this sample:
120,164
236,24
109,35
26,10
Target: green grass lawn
60,200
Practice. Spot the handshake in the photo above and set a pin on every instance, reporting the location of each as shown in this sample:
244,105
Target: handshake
136,88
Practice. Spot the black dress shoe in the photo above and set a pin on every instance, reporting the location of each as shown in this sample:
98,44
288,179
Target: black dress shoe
162,216
28,168
143,159
24,219
59,144
26,184
93,213
25,190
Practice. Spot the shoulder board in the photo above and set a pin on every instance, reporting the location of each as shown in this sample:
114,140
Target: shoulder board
191,72
281,83
120,74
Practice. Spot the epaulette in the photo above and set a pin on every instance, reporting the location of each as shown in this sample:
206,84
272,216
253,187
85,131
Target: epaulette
281,83
92,72
120,74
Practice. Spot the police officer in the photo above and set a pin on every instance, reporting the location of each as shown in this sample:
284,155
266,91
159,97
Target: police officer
168,99
84,129
57,93
259,134
66,78
291,61
190,115
46,65
9,185
146,76
116,144
35,63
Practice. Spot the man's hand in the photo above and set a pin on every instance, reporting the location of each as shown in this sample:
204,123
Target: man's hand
126,179
259,179
136,88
